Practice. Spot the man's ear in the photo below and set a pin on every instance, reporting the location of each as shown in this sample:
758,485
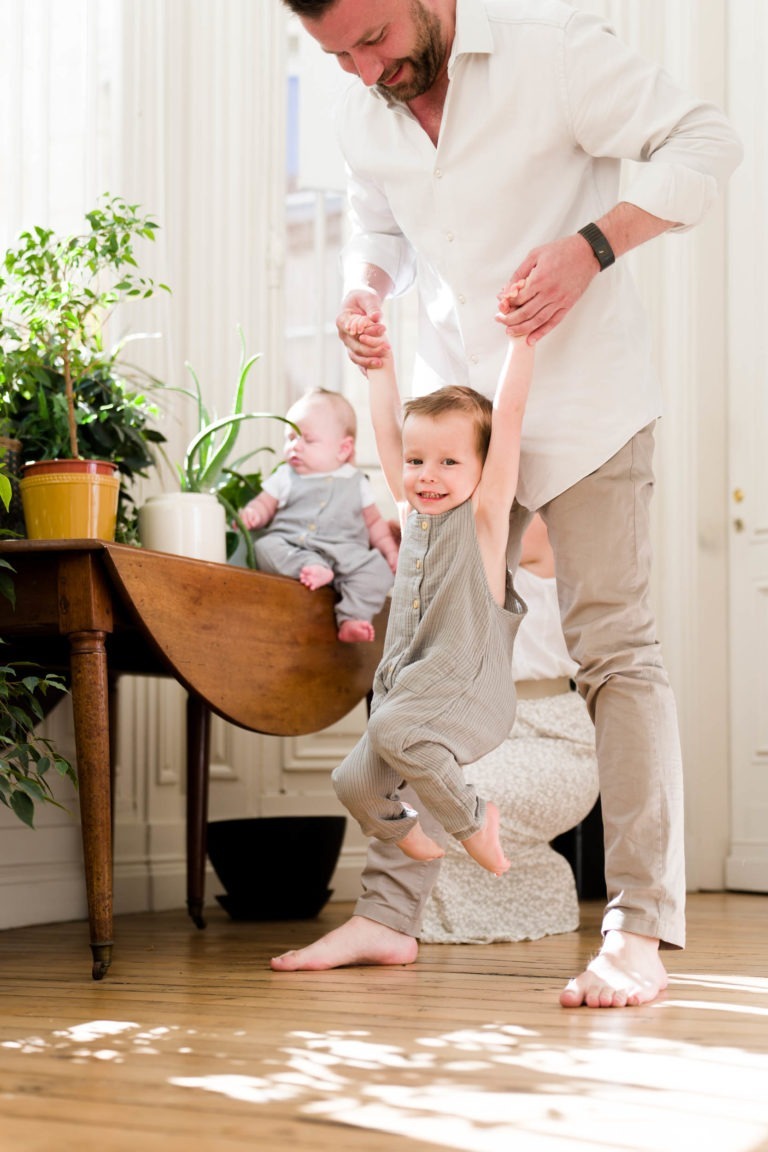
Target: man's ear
347,449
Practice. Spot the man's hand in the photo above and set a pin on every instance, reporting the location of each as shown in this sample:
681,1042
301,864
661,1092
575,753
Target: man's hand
361,329
555,276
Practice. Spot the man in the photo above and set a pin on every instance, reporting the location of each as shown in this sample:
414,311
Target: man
484,147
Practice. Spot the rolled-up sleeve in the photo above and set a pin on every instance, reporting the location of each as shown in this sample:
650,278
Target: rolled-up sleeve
625,107
375,237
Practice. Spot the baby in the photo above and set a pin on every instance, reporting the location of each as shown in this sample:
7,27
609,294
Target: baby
319,521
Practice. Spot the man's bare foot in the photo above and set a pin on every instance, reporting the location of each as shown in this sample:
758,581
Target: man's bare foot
485,846
626,972
351,631
315,576
419,846
358,941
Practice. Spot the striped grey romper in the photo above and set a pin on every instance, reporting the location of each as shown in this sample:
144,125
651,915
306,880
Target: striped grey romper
444,693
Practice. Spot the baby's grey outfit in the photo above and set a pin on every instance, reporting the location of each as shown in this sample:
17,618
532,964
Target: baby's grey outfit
444,694
322,523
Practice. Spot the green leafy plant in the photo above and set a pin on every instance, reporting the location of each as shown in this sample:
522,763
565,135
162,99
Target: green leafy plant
26,758
5,490
207,465
62,393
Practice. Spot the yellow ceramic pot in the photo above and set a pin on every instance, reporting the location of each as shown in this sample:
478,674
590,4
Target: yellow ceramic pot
70,499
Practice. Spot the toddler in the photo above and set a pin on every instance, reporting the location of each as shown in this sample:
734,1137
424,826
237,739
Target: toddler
444,692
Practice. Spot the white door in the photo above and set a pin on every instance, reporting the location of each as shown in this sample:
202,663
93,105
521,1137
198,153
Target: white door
747,864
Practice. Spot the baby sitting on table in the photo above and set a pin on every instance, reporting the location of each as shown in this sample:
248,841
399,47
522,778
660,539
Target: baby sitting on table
318,519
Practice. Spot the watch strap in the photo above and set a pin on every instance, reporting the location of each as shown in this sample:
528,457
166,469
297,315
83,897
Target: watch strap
598,242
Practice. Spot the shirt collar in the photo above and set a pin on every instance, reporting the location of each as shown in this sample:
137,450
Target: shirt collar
473,32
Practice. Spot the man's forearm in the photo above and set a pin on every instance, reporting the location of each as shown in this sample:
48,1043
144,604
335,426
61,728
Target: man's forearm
626,227
368,277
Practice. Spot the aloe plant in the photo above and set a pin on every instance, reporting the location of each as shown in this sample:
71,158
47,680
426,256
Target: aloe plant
207,466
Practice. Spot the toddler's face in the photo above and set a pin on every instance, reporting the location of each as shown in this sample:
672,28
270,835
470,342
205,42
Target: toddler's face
441,463
322,445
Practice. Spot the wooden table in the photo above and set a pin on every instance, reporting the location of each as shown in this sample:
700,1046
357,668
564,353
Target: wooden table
258,650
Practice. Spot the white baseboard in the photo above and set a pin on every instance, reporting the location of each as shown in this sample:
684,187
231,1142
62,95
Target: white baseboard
746,868
47,893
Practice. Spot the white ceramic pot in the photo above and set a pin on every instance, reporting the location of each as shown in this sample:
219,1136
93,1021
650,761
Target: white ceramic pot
185,523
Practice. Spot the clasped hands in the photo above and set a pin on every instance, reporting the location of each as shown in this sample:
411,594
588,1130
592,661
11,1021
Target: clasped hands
538,295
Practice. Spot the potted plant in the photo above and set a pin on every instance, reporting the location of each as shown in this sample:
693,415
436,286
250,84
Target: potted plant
71,402
203,518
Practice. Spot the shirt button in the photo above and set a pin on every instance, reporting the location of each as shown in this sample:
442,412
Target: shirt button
474,359
438,174
312,527
415,604
424,525
462,299
449,237
418,565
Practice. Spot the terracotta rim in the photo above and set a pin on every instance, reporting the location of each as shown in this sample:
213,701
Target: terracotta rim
76,467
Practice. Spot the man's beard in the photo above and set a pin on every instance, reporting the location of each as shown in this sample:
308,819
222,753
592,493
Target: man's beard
426,61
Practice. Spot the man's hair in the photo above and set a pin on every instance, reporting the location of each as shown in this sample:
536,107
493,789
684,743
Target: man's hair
456,398
312,9
343,410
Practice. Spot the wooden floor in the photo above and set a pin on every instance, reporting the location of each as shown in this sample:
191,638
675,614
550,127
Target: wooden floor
192,1043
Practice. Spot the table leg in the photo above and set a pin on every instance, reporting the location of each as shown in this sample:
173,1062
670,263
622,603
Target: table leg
198,761
90,696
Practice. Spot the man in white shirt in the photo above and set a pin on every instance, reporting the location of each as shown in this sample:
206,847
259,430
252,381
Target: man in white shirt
484,147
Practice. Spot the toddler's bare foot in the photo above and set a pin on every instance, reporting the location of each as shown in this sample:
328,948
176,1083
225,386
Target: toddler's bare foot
485,847
419,846
315,576
357,941
626,972
353,630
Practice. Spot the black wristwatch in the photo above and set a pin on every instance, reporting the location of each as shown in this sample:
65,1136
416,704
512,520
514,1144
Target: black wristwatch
599,245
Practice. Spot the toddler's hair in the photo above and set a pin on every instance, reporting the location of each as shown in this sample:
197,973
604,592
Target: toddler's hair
456,398
343,410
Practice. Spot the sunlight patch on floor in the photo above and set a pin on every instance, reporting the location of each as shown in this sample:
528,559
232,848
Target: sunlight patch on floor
612,1088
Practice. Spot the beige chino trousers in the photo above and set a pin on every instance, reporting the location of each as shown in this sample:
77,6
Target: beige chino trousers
600,532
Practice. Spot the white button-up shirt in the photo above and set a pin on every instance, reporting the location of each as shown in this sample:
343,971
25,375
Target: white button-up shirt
543,104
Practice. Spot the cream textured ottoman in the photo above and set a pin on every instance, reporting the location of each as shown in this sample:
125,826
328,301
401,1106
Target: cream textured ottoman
544,781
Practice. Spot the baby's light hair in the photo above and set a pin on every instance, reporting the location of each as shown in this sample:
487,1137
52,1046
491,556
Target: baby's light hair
456,398
342,408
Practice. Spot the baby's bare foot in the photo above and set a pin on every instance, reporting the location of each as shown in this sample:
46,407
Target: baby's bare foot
419,846
485,847
315,576
626,972
353,630
358,941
